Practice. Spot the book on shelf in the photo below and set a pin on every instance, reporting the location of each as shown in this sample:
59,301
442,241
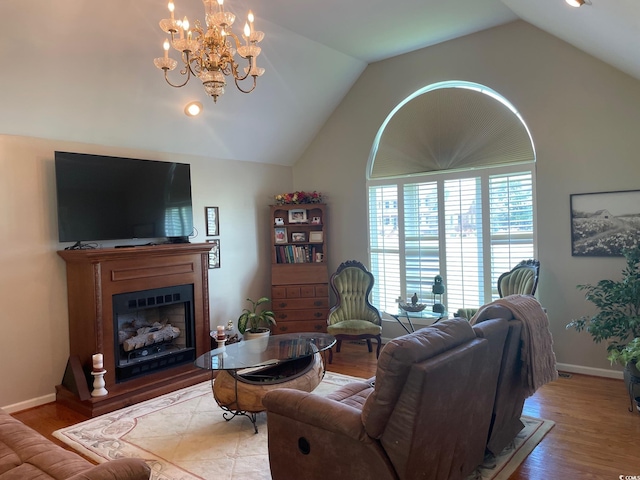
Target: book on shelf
296,253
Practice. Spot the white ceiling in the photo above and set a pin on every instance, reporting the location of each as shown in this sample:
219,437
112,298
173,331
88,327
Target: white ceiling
84,68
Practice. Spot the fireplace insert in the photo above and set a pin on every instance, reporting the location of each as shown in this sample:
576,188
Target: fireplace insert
153,330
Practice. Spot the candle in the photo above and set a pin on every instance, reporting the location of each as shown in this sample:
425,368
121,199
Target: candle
98,361
221,334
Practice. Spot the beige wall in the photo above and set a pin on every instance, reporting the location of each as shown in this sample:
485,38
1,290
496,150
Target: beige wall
583,115
33,330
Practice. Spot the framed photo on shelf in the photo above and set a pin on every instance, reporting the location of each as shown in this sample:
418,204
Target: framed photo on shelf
279,221
280,235
315,221
298,237
214,253
603,224
315,237
213,224
298,216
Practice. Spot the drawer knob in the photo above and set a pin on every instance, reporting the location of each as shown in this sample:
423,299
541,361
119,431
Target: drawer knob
318,314
282,316
283,304
318,327
317,303
284,329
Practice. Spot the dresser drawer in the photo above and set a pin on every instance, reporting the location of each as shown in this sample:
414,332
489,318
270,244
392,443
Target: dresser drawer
306,314
297,303
298,327
300,291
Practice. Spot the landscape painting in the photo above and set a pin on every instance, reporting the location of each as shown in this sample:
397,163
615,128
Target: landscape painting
604,224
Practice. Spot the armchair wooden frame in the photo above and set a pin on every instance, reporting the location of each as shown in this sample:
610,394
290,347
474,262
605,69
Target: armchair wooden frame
532,265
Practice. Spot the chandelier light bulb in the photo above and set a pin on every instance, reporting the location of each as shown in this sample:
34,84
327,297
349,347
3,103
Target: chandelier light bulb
171,7
247,31
185,24
220,2
250,16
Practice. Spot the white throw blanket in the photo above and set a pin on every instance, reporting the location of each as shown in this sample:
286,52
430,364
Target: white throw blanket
538,358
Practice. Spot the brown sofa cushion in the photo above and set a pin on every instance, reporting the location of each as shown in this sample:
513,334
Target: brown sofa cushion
25,454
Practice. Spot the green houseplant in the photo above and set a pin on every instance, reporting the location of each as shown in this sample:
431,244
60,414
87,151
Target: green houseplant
618,319
253,321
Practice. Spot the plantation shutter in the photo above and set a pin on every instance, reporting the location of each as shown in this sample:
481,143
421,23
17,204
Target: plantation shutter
384,246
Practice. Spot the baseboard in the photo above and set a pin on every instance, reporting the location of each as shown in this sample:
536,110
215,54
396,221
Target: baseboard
34,402
595,372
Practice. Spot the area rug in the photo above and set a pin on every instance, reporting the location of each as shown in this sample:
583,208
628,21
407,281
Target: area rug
183,436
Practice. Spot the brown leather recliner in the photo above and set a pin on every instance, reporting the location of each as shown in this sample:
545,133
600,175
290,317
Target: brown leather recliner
426,414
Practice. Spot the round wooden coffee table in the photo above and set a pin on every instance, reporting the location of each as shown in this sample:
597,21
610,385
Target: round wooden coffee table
247,370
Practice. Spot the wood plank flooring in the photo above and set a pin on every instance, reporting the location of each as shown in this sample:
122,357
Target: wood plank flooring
595,436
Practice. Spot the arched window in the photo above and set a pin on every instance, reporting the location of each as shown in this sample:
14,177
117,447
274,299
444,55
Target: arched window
451,192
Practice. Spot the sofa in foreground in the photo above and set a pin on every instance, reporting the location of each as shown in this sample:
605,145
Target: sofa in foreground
27,455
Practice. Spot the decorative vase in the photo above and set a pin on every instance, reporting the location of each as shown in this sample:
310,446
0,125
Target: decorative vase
257,341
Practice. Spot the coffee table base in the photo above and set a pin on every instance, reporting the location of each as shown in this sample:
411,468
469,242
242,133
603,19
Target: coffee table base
239,395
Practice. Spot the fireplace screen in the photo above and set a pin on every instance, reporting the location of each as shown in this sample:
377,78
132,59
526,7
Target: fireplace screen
154,330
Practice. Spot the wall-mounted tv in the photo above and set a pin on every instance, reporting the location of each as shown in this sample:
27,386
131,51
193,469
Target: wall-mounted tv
114,198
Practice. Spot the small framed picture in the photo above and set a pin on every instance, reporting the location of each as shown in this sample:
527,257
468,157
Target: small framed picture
315,237
298,216
214,253
298,237
316,220
280,235
279,221
213,224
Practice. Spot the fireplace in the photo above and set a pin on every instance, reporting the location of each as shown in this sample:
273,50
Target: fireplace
160,295
154,330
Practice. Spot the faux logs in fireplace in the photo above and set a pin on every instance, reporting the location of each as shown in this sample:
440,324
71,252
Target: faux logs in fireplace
97,280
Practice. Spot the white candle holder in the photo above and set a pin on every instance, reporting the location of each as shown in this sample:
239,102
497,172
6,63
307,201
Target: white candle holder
221,343
98,384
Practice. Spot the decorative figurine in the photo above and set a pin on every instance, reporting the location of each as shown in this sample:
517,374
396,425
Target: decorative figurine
438,291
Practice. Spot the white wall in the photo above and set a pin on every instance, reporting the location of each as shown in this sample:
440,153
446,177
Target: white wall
583,115
34,344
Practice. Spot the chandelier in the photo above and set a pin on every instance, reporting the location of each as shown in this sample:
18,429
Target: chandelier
210,54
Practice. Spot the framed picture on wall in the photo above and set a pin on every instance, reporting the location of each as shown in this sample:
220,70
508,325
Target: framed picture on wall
212,221
603,224
214,253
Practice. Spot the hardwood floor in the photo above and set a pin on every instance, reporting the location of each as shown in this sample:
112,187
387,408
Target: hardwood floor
595,436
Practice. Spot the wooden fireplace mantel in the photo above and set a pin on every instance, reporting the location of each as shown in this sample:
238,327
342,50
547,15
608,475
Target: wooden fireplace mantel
93,277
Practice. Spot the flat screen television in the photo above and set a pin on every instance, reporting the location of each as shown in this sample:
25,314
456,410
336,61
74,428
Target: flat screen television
114,198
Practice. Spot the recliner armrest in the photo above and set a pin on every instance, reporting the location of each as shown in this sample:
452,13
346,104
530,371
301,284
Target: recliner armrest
315,410
118,469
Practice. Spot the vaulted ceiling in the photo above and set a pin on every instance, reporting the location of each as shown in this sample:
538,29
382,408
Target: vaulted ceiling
82,70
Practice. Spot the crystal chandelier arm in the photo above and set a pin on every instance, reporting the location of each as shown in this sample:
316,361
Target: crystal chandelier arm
240,79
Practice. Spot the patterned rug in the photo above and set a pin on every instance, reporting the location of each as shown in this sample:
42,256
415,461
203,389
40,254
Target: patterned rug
183,436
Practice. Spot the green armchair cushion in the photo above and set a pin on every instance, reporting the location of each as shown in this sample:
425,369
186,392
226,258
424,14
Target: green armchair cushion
354,327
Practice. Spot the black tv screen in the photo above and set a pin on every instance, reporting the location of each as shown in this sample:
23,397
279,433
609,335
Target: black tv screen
114,198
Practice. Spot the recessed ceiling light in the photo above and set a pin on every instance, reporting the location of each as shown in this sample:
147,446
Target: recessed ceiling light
192,109
577,3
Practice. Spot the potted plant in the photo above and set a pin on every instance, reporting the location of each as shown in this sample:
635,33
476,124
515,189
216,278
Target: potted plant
618,318
252,322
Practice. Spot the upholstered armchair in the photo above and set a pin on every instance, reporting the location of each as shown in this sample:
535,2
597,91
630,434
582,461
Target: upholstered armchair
426,413
520,280
353,317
